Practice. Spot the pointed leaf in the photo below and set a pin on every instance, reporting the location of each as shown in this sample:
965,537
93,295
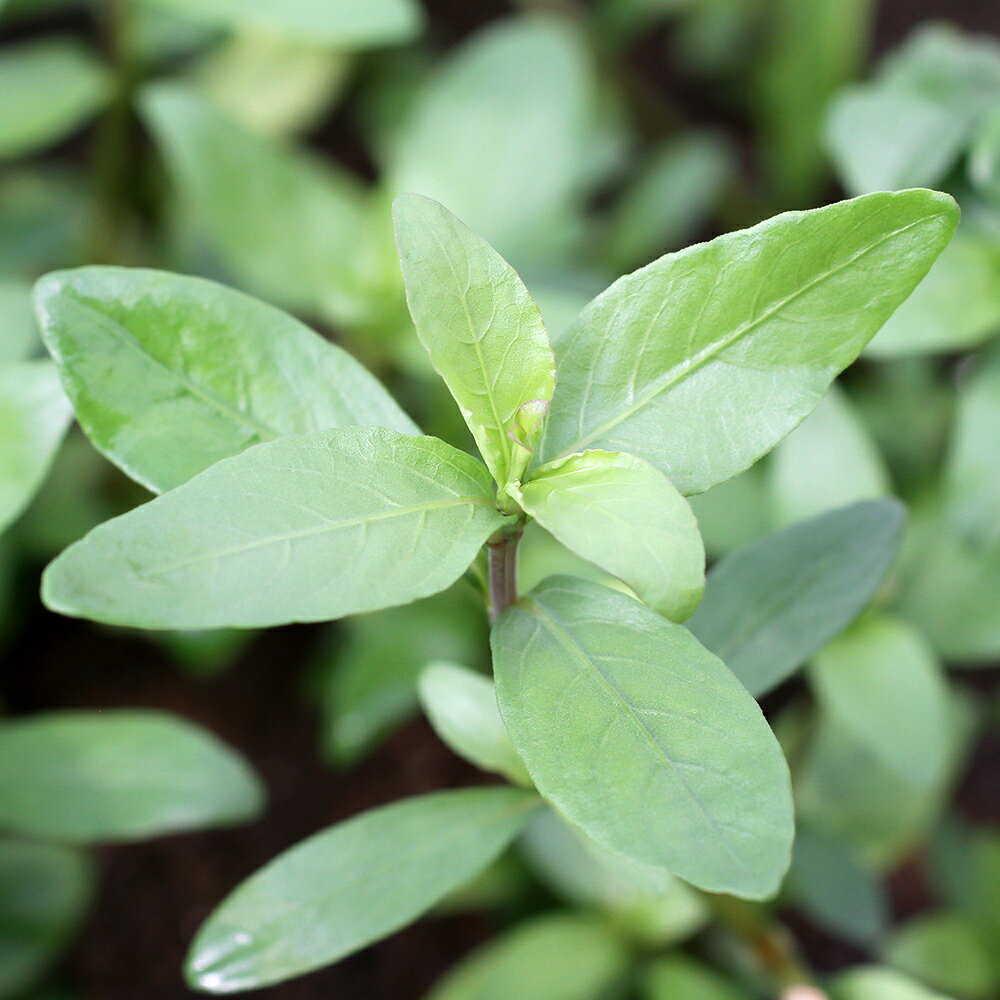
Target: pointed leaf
170,374
352,884
744,332
306,528
642,738
481,328
871,982
625,516
118,775
769,606
34,414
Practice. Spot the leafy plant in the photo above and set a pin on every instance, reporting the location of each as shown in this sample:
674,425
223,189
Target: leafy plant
296,490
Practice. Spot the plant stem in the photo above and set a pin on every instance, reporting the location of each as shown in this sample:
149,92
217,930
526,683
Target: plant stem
503,571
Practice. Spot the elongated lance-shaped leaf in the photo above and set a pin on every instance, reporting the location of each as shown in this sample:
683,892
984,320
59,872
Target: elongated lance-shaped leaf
81,777
481,328
34,415
625,516
771,604
352,884
642,738
703,360
170,374
306,528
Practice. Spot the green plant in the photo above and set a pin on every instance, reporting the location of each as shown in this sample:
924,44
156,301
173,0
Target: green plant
329,503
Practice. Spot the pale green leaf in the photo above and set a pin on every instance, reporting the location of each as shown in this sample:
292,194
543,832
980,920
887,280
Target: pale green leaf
625,516
481,328
769,606
984,158
557,957
51,87
81,776
352,884
44,892
340,23
734,513
642,738
306,528
703,360
828,461
291,228
681,978
34,414
872,982
18,329
169,374
462,707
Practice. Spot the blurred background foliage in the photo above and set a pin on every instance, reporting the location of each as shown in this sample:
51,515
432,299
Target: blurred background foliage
260,142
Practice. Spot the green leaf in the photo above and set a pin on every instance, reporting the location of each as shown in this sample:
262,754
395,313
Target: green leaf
18,330
769,606
943,950
34,414
481,328
306,528
462,707
170,374
642,738
290,228
835,889
828,461
625,516
876,983
679,976
51,87
80,776
352,884
747,331
734,513
44,892
527,79
972,475
955,308
343,23
557,957
881,681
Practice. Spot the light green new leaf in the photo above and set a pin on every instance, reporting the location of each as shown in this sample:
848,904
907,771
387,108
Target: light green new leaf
341,23
34,414
642,738
118,775
769,606
828,461
462,707
44,892
170,374
625,516
352,884
681,978
873,982
306,528
289,227
558,957
703,360
481,328
50,88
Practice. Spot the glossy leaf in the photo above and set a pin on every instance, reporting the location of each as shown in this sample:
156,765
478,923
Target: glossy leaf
878,983
642,738
344,23
558,957
828,461
306,528
748,330
480,326
769,606
625,516
352,884
462,707
34,414
170,374
81,777
50,87
44,892
679,976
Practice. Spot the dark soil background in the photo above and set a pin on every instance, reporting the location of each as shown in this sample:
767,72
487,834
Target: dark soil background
152,896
